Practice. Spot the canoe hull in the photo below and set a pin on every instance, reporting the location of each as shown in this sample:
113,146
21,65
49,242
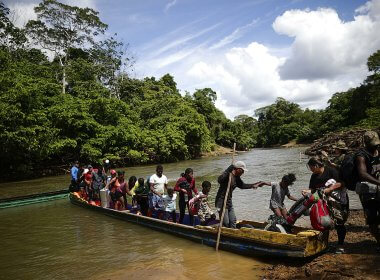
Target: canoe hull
32,199
237,244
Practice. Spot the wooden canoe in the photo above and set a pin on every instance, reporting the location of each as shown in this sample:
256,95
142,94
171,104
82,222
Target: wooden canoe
304,243
32,198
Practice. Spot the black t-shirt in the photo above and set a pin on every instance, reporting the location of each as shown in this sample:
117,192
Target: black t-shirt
318,181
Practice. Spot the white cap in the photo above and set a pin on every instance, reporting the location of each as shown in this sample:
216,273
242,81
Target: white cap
330,182
241,164
107,161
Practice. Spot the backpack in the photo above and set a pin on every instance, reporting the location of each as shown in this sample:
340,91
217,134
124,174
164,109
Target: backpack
348,172
319,216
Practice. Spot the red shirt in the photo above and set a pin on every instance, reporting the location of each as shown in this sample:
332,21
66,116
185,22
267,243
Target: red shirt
182,182
88,176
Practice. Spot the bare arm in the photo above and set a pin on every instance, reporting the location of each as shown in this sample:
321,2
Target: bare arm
362,171
111,181
261,184
333,188
292,197
152,189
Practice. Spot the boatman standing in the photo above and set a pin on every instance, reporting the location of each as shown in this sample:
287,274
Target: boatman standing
237,169
74,177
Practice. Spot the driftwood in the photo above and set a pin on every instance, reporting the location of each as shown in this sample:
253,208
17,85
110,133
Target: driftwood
353,140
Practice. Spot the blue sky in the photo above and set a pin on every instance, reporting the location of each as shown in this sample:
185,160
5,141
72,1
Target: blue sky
249,51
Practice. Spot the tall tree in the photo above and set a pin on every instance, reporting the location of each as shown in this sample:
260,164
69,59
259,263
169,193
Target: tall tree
10,36
60,27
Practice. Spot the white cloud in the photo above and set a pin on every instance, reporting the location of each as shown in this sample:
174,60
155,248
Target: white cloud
23,11
327,55
170,5
236,34
325,46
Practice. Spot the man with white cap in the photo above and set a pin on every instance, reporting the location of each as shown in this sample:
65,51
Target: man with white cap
237,169
368,187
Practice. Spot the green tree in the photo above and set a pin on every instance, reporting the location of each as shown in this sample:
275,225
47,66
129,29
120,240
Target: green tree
60,27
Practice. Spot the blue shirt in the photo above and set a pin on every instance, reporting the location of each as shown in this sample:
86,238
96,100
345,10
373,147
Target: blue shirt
74,173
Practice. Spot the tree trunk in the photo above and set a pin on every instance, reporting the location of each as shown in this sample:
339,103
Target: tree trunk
63,76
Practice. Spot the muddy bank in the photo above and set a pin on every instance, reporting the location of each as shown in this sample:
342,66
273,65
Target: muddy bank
351,139
361,261
218,151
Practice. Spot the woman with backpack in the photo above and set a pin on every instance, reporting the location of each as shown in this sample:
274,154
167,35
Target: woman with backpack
320,181
185,186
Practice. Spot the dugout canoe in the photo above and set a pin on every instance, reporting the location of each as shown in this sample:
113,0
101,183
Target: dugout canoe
32,198
302,243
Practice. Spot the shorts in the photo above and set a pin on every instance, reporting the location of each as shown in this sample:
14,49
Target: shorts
371,207
370,198
273,205
155,202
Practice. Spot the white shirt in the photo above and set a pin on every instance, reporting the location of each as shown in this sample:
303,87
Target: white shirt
158,183
170,202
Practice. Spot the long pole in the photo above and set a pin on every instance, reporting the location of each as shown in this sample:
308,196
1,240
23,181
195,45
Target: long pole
224,203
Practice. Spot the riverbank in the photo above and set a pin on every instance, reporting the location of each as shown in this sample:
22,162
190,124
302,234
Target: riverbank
361,261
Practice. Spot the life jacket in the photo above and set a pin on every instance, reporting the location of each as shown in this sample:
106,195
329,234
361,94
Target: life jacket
319,216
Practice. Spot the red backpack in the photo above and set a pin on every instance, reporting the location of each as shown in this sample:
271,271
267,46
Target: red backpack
319,216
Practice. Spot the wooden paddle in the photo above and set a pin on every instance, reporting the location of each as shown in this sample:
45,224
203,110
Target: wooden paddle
225,202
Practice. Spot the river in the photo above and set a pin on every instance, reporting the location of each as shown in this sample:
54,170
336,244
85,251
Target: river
58,240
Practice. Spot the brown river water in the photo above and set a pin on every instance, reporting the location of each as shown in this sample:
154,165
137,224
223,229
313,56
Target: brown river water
58,240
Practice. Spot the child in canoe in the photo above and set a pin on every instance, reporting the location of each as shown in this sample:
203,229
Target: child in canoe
279,190
170,205
199,205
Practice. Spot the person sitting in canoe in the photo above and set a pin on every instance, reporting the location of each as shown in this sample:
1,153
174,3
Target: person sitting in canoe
279,190
185,186
158,182
236,170
199,205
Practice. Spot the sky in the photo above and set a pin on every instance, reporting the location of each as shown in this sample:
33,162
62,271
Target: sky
249,51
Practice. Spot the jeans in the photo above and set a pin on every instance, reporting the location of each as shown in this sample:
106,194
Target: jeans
229,219
182,208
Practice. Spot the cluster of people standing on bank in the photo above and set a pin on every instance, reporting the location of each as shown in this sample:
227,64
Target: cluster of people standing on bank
149,197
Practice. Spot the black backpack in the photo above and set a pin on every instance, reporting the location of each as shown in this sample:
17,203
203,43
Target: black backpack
348,171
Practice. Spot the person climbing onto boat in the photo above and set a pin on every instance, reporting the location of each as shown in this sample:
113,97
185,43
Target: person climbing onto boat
199,205
367,164
185,186
237,170
74,186
170,205
158,182
141,193
321,174
279,191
